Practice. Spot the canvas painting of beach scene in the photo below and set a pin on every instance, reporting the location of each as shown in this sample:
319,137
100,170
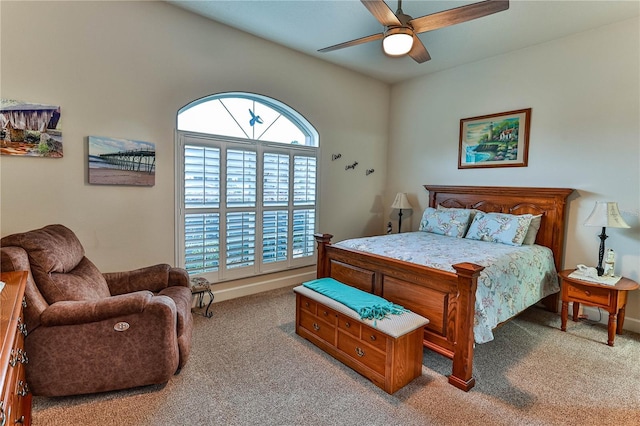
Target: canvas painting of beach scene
121,162
496,140
29,129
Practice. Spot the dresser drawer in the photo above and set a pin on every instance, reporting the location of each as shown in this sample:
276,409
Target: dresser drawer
15,404
317,327
589,295
360,351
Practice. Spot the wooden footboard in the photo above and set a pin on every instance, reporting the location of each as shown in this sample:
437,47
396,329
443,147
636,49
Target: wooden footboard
447,299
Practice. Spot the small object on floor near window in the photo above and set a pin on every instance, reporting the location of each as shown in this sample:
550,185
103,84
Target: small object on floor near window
200,286
334,157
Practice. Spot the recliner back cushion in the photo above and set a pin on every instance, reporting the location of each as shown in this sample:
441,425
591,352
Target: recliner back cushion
58,265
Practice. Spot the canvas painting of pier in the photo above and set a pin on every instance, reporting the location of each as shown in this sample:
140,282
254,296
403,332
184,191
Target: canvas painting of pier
496,140
29,129
121,162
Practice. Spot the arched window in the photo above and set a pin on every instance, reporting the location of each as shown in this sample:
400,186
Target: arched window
247,186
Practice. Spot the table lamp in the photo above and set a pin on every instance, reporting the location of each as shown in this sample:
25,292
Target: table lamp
605,213
401,203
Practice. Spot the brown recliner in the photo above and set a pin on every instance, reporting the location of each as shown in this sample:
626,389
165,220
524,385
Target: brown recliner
91,332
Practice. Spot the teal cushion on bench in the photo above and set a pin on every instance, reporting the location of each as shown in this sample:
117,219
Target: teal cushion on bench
367,305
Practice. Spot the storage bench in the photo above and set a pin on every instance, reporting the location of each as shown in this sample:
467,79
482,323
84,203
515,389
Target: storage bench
388,351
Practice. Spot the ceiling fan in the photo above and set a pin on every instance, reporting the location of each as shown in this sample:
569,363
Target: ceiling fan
400,35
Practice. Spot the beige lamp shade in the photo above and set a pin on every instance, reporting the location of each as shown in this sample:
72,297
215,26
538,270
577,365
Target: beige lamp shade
606,214
401,202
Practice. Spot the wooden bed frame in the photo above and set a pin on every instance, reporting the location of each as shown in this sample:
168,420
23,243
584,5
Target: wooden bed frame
448,299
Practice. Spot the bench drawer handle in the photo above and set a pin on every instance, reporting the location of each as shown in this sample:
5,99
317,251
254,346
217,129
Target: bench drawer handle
306,304
316,327
373,338
359,352
347,324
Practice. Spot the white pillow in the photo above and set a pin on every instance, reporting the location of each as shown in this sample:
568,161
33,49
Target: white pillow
532,232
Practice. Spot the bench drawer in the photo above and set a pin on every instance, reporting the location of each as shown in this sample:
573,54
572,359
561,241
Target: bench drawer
317,327
362,352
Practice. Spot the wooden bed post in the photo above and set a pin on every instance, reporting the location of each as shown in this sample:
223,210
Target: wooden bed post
323,261
462,372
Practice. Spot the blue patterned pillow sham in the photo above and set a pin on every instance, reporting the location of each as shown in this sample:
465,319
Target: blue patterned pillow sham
452,223
472,212
499,228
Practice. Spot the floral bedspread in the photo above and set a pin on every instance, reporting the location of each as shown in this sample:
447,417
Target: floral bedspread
514,278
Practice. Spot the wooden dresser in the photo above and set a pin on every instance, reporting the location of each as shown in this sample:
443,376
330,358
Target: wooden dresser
15,405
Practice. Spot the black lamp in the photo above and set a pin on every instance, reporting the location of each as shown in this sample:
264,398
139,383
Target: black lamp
605,213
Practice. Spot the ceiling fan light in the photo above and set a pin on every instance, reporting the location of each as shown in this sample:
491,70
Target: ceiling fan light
397,43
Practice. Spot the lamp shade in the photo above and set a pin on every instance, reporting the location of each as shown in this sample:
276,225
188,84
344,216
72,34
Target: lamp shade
397,41
606,214
401,202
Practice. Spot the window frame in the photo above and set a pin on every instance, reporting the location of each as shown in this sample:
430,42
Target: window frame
225,143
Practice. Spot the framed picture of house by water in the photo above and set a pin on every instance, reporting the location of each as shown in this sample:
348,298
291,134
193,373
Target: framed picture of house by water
495,140
121,162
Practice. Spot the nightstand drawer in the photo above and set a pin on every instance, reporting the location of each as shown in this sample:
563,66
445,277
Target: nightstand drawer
588,294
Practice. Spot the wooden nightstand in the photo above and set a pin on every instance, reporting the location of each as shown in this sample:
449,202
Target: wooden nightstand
612,298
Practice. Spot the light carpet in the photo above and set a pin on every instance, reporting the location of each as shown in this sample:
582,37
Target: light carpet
248,367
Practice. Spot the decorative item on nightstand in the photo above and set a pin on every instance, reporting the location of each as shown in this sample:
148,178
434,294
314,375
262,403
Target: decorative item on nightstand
401,203
605,213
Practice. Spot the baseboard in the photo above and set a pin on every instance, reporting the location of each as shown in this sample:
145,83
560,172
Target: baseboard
233,291
592,314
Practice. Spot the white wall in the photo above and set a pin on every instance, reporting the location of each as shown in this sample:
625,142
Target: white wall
585,128
123,69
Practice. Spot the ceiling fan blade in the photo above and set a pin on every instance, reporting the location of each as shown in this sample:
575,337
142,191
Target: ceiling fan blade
458,15
418,52
382,13
352,42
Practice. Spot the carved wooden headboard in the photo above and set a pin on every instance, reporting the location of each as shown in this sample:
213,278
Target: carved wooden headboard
550,202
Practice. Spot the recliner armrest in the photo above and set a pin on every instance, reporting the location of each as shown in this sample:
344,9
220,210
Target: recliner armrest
153,278
85,311
179,277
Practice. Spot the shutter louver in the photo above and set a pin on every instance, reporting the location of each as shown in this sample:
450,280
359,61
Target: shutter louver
275,180
241,178
202,242
304,180
241,239
275,236
303,229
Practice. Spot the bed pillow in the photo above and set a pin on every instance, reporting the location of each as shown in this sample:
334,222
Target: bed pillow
472,212
499,228
532,232
452,223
